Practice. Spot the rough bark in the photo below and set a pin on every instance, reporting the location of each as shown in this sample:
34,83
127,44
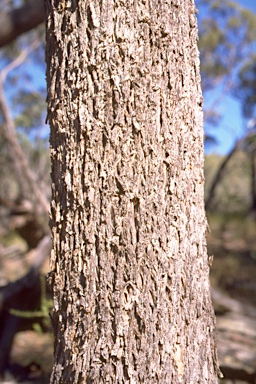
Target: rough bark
20,20
131,286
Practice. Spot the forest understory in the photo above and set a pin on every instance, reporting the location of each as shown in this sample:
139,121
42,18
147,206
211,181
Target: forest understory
232,241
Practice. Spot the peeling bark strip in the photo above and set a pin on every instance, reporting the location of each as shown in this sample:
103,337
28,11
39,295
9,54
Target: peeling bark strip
131,287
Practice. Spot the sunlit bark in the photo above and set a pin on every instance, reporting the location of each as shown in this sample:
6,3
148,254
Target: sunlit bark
131,284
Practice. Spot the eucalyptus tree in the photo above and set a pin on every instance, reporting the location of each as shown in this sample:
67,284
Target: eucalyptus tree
130,266
227,51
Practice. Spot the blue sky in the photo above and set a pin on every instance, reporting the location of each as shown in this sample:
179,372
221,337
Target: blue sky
251,4
227,132
231,126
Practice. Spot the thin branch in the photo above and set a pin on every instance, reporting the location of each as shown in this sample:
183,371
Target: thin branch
20,20
26,176
233,305
222,168
219,175
18,61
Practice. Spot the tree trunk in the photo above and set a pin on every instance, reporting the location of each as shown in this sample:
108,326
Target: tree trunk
219,175
131,284
253,181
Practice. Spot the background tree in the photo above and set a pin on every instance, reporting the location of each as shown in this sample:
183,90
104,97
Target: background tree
247,88
23,149
227,35
226,40
25,181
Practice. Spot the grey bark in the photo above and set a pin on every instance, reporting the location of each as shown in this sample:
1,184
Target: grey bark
20,20
131,271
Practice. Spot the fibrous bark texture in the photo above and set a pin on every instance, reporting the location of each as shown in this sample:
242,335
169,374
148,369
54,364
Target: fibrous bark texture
131,287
